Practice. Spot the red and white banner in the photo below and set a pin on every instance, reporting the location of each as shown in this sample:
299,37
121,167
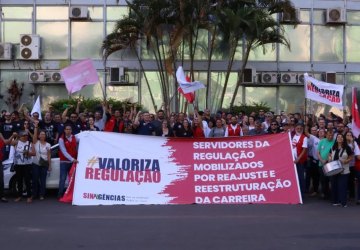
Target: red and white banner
327,93
78,75
132,169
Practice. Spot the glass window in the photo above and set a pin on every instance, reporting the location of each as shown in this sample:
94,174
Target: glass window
353,17
124,54
123,93
319,16
146,53
96,12
154,82
52,13
115,13
305,16
54,39
268,96
300,48
328,43
13,30
352,80
84,43
17,12
258,53
291,98
216,88
352,43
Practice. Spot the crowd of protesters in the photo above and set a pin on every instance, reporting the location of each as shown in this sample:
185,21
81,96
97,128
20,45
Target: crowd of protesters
315,141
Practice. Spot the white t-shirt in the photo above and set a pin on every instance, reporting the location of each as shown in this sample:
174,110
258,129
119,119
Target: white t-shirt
19,157
41,150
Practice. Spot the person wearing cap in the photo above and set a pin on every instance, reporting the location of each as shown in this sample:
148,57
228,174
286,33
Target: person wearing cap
24,151
299,145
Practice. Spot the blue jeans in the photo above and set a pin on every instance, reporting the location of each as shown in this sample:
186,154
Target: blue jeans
64,171
39,180
300,168
339,185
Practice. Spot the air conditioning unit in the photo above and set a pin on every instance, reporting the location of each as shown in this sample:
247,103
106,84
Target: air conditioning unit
36,76
329,77
30,46
118,75
249,75
6,51
301,78
288,78
79,12
55,77
286,17
335,15
269,77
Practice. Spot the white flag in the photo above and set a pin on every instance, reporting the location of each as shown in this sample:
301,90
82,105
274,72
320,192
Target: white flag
37,108
328,93
186,86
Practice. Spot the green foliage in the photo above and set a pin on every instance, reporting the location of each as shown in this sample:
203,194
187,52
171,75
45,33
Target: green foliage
247,109
90,105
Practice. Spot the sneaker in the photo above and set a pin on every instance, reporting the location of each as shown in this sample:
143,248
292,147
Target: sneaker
336,204
313,194
41,198
344,206
29,200
17,199
3,199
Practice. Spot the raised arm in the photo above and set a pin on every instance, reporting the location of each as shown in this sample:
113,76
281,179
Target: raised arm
36,132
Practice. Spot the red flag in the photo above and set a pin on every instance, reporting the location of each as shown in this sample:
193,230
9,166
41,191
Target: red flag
355,114
190,97
68,196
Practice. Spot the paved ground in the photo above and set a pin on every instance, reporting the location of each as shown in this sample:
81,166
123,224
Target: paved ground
52,225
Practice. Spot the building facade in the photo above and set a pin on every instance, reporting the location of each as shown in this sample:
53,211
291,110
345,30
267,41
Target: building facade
324,44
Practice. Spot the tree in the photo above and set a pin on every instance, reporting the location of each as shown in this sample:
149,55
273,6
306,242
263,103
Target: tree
168,27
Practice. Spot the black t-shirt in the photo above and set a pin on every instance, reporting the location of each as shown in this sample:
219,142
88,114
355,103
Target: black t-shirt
50,130
178,129
18,125
7,129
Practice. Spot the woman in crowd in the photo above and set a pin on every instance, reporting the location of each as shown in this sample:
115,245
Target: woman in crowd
350,140
172,121
245,120
218,130
251,124
41,162
91,124
343,153
278,120
187,131
197,128
24,150
27,127
166,130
